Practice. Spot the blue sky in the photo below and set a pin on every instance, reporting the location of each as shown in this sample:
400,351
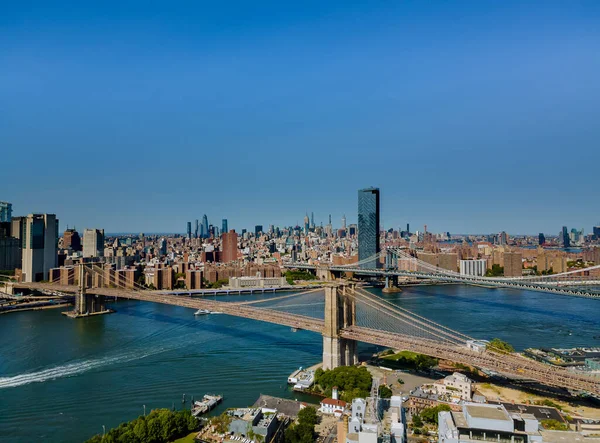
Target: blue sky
471,116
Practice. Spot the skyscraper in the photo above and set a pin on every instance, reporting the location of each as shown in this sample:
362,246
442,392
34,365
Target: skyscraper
162,246
312,220
597,232
71,240
566,241
39,240
189,230
5,211
196,230
306,224
541,239
344,222
93,243
204,228
368,225
258,229
224,228
230,241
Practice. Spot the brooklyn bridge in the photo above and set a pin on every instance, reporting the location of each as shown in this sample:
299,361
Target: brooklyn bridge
352,314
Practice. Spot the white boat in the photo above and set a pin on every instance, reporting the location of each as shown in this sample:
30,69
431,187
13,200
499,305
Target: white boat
205,311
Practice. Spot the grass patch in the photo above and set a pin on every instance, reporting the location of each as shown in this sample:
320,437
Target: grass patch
491,388
403,354
187,439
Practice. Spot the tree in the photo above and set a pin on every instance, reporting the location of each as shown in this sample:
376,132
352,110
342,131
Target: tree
417,422
385,392
161,425
500,346
496,271
554,425
308,415
292,275
303,431
430,415
352,382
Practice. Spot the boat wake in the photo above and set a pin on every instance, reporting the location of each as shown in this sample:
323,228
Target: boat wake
74,368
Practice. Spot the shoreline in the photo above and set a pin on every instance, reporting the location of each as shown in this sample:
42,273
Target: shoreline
38,308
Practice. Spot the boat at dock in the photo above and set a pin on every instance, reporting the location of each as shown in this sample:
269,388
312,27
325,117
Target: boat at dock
207,403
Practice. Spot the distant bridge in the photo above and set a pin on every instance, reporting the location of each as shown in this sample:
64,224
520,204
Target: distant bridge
351,314
577,283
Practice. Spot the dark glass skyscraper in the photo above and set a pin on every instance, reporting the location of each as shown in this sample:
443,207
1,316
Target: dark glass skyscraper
204,233
368,225
565,238
224,228
189,229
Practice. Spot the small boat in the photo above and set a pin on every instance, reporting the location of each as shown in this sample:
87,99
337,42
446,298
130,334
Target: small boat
202,312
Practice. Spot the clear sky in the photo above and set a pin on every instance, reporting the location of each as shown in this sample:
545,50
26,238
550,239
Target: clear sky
471,116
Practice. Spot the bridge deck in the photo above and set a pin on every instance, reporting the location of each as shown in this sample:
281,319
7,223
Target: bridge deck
509,364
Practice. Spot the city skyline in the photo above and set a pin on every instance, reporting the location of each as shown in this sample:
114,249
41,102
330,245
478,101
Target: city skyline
351,219
470,118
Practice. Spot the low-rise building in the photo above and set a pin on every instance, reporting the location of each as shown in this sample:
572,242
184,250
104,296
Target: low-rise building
456,386
482,422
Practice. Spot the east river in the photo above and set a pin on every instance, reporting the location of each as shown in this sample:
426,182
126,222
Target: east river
62,379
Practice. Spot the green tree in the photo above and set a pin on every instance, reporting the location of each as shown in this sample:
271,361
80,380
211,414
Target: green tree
308,415
351,381
385,392
430,415
417,422
496,271
500,346
304,430
296,274
554,425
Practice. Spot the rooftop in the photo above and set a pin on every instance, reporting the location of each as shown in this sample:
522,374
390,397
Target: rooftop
490,412
283,406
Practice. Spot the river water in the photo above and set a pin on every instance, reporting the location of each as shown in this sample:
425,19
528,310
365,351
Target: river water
62,379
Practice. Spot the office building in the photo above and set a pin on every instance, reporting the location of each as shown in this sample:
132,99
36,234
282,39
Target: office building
10,249
204,232
162,247
196,229
368,225
39,240
596,232
71,240
230,246
566,240
189,230
344,221
224,227
5,212
93,243
541,239
258,229
513,264
503,238
475,268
